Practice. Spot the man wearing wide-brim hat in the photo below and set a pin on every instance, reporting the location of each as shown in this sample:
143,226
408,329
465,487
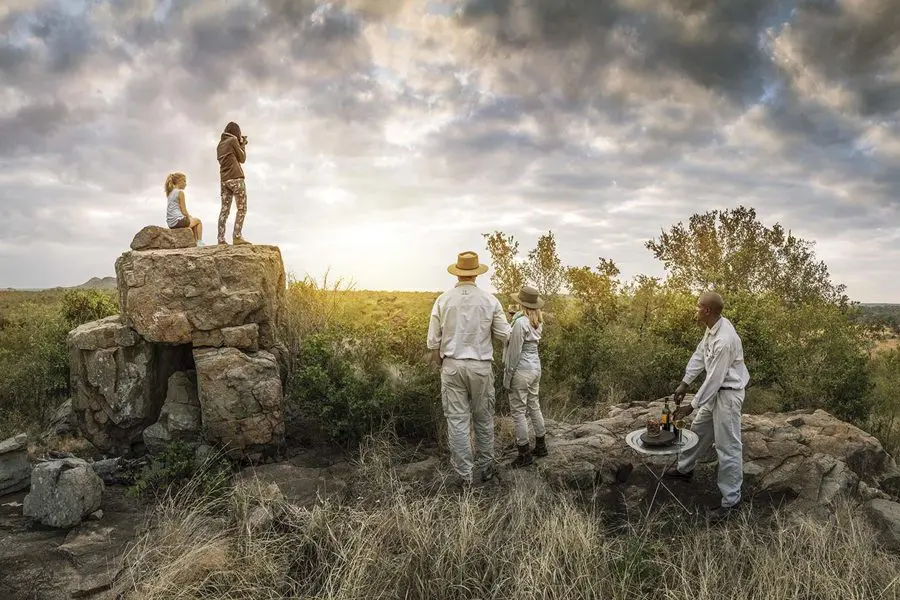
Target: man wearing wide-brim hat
464,320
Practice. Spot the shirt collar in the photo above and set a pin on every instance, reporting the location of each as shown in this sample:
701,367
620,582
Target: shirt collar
715,328
459,283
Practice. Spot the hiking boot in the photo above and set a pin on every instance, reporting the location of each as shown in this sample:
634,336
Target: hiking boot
674,473
238,241
540,447
723,513
222,243
524,458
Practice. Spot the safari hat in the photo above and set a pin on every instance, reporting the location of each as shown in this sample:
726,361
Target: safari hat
467,265
529,298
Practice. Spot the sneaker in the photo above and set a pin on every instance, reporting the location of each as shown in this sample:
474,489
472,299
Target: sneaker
200,243
674,473
723,513
238,241
488,472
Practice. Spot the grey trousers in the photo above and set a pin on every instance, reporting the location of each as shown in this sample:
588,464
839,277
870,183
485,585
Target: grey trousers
467,395
719,422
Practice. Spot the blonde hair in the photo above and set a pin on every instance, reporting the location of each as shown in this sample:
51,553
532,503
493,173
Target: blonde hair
173,180
535,316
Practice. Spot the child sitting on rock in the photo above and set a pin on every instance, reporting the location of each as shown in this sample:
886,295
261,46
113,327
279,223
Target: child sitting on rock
177,215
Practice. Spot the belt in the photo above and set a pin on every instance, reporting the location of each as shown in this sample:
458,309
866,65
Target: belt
730,389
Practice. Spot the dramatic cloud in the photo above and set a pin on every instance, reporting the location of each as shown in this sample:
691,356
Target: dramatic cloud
387,135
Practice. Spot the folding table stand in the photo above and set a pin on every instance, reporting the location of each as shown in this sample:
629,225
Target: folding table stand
688,440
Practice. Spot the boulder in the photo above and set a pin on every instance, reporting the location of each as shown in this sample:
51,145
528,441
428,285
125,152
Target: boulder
168,296
241,398
63,492
179,419
153,237
886,517
118,381
15,470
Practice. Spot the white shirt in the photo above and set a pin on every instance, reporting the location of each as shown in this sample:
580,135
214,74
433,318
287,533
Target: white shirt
513,358
721,354
462,322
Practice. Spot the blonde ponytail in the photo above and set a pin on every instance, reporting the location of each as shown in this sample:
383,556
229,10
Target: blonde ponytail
173,180
535,316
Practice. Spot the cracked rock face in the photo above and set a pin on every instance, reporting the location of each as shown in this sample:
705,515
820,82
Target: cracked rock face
63,492
174,296
15,469
240,398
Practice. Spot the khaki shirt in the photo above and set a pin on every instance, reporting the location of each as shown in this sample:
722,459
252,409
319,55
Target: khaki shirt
463,321
721,354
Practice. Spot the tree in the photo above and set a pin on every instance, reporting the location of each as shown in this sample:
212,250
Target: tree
508,276
596,290
544,268
731,251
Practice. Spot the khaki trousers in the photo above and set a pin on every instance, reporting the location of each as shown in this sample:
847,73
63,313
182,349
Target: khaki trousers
467,395
719,422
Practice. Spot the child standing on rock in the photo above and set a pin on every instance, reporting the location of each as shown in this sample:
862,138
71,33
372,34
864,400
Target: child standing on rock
232,152
177,215
522,376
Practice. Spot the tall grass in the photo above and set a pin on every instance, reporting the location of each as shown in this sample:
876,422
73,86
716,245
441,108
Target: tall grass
521,542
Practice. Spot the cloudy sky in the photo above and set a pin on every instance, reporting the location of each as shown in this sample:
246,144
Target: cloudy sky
388,135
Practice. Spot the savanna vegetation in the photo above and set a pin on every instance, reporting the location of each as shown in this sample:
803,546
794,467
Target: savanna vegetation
357,366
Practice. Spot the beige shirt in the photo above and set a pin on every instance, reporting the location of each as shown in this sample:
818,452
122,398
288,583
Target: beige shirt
463,320
721,354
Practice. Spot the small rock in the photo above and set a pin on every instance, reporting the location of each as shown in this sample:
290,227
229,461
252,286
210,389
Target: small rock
886,516
96,515
153,237
63,492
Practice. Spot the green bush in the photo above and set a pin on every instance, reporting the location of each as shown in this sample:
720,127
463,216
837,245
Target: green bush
352,388
34,363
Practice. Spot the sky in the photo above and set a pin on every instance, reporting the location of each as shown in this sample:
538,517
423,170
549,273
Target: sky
386,136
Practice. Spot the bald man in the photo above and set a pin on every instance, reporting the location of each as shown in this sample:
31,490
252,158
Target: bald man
718,402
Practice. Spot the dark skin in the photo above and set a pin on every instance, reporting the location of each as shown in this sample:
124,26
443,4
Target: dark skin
709,311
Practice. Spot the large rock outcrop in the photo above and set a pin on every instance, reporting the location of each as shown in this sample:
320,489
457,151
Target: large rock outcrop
173,296
118,381
808,456
213,311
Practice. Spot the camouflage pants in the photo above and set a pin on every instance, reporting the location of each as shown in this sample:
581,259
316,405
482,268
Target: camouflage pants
237,189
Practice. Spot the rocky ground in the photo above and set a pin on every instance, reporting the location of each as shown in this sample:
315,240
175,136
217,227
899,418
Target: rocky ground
804,460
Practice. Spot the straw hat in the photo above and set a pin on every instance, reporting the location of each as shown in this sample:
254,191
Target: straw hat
529,298
467,265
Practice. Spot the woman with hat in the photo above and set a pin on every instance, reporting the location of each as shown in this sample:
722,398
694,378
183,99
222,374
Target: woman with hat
522,375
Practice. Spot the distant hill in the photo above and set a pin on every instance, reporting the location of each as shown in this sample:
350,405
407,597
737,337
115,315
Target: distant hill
97,283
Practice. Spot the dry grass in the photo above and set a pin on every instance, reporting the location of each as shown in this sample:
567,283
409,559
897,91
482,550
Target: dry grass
520,544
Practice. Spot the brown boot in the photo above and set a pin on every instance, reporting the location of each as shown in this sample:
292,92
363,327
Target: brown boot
524,458
238,241
540,447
